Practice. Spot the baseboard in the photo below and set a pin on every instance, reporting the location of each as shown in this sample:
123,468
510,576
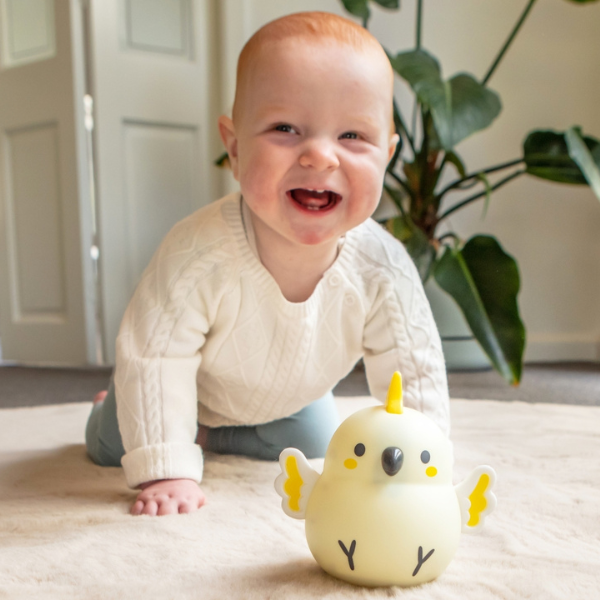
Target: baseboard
53,365
553,348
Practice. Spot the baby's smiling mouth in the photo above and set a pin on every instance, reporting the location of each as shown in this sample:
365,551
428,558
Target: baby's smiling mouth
315,200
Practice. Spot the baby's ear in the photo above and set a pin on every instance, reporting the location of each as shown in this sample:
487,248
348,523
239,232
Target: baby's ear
392,147
227,131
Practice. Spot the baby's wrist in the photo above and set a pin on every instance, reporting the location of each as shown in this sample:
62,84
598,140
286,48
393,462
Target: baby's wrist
146,484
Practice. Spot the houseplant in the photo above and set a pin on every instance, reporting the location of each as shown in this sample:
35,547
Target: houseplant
478,274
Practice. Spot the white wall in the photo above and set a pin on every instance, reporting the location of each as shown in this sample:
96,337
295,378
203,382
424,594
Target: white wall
549,79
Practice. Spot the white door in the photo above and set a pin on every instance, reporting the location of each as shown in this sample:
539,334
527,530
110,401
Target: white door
152,89
45,236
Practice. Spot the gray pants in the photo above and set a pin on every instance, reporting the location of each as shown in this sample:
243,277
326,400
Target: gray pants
309,430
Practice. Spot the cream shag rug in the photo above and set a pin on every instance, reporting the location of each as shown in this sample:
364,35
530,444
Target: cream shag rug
65,531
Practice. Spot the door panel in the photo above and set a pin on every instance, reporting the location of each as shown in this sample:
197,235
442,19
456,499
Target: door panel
151,86
36,270
160,185
28,31
43,316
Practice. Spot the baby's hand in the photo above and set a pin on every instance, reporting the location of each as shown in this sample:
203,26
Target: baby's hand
168,497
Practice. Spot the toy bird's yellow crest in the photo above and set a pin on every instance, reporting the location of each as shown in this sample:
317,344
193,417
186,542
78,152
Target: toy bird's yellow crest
394,395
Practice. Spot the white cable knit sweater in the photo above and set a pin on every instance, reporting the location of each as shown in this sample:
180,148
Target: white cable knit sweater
209,337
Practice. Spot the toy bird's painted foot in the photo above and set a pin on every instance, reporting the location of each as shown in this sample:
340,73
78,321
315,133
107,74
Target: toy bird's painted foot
349,553
421,559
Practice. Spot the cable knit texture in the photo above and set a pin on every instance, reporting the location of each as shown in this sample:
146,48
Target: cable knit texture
209,337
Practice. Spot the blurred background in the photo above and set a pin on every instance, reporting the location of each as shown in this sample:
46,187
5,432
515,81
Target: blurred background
108,137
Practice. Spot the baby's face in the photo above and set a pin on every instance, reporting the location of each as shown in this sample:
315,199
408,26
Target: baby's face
312,139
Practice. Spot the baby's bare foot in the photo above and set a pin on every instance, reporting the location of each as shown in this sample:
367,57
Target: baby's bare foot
99,397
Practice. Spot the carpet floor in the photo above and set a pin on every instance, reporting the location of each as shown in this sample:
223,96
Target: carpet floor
65,531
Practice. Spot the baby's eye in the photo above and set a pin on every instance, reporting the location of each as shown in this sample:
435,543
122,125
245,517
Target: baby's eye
349,135
284,128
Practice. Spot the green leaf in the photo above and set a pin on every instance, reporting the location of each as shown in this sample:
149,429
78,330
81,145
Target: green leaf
223,160
484,281
358,8
488,192
417,67
399,228
464,108
459,107
579,152
547,156
416,243
454,159
396,196
388,3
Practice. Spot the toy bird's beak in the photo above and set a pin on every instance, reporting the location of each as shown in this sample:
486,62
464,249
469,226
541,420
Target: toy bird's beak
391,460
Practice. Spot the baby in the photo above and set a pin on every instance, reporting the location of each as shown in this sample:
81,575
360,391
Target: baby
254,307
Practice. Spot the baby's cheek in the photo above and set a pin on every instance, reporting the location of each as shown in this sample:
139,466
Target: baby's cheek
255,184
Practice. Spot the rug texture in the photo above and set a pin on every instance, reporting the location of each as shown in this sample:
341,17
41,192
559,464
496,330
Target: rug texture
65,531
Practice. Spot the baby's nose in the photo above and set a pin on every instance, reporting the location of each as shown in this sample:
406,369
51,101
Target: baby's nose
319,155
391,460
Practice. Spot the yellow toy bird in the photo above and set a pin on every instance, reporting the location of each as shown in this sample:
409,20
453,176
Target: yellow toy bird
384,511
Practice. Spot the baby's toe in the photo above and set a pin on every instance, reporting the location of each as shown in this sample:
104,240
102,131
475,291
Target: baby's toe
99,397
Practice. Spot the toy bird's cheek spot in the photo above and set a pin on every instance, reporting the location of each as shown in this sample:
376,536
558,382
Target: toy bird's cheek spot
431,471
350,463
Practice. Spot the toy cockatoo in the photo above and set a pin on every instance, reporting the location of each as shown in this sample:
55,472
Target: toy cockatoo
384,511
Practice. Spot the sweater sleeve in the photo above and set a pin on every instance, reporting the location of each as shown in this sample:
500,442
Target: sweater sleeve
401,335
157,359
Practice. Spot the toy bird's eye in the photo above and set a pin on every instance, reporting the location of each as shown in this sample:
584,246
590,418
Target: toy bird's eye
359,449
425,457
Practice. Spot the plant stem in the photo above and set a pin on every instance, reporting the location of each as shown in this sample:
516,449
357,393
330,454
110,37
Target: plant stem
456,183
508,42
440,170
481,194
395,201
416,106
423,158
402,184
418,31
447,235
398,116
394,160
419,24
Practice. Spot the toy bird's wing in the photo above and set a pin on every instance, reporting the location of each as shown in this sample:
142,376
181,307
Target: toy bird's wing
295,483
476,498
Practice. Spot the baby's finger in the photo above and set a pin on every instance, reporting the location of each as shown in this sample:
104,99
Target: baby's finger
186,506
137,508
167,507
150,508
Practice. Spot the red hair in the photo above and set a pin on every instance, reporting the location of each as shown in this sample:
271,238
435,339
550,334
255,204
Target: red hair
312,26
